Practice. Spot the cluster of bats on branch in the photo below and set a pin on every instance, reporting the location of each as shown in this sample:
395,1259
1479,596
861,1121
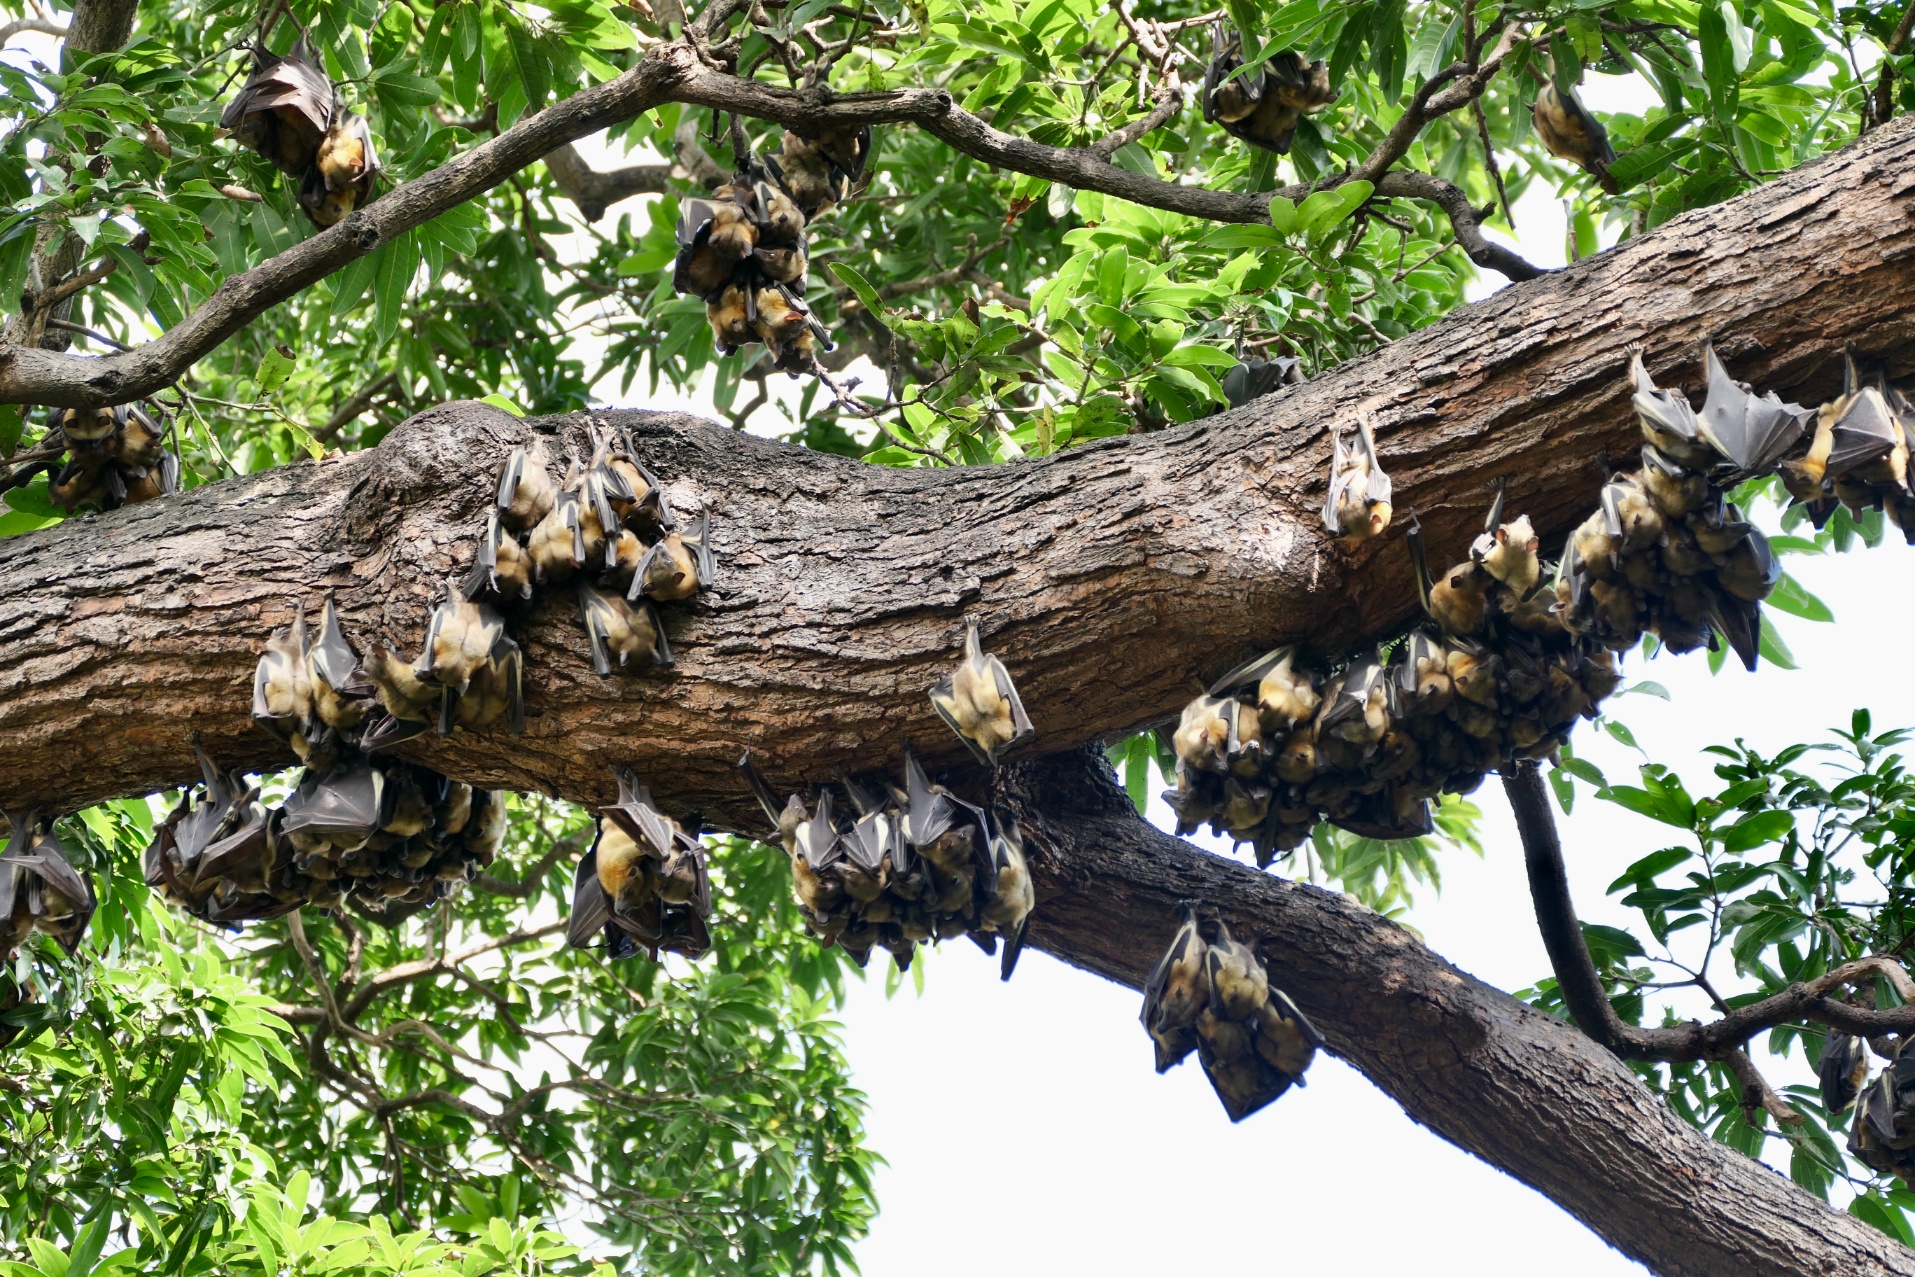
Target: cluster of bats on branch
291,114
104,457
907,864
1882,1134
745,251
1513,653
40,890
1215,998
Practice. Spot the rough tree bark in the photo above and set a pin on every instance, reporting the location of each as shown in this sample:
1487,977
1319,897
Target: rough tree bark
1110,577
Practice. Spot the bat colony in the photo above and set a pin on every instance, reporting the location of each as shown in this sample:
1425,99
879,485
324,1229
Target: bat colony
112,457
745,250
293,116
906,864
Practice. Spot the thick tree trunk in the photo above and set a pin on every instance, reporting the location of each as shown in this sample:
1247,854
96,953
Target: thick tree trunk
1112,578
1519,1089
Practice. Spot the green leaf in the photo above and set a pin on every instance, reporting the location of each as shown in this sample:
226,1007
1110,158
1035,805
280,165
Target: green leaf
500,401
1719,63
1754,830
1789,596
1324,209
861,287
1283,214
1772,648
274,367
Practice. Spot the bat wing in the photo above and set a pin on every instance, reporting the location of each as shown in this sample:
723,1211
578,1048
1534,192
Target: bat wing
383,731
1775,428
348,803
333,656
57,872
1600,150
1377,488
225,858
1864,433
1013,946
509,476
661,646
485,564
1379,820
589,609
702,555
868,841
1288,1010
950,721
1020,721
1250,673
591,908
1339,481
362,130
642,574
509,661
684,932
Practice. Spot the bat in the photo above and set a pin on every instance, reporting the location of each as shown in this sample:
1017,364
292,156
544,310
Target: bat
1008,908
1177,989
557,544
526,491
1631,516
1227,97
714,237
781,223
783,265
591,909
502,567
283,109
785,819
1674,490
1263,108
1571,133
1868,447
1423,677
1303,86
1236,978
1253,378
86,481
1354,718
461,638
137,443
1750,571
1358,502
819,173
1286,694
345,806
1243,1082
788,328
633,491
345,157
37,875
1508,551
1752,433
497,690
677,566
733,318
1668,422
1286,1039
1459,602
979,702
407,702
613,625
89,429
338,692
282,681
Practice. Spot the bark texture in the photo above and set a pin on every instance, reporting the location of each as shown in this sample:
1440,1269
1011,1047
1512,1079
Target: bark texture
1519,1089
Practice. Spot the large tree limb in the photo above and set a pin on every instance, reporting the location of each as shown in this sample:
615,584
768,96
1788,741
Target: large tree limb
1110,576
1519,1089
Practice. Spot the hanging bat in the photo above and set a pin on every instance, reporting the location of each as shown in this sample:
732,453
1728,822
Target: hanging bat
461,638
781,224
282,681
1236,978
1459,601
283,110
1253,378
677,566
86,481
1631,517
979,702
497,690
37,875
526,491
338,692
502,567
613,625
137,442
819,174
1867,447
733,317
557,544
1286,1039
1843,1069
783,265
343,806
1227,97
1571,133
1508,551
1752,433
1676,491
1667,420
409,704
714,236
1177,989
346,157
1008,909
88,429
1357,505
1243,1082
1354,718
1286,694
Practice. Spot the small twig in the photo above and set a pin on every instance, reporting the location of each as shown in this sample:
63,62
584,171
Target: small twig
69,326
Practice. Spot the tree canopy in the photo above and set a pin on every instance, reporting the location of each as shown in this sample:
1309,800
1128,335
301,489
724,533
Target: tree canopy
1051,243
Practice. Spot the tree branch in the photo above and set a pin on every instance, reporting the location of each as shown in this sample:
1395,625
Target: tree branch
594,191
41,25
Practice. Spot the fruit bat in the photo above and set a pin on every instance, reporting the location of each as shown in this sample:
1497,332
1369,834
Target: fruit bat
613,625
86,481
680,876
781,224
1358,502
634,491
1263,107
346,157
283,110
88,428
1286,694
502,567
344,806
1237,979
37,877
1253,377
282,681
788,328
526,491
1423,677
784,265
497,690
1868,445
339,693
1885,1119
1508,551
979,702
407,702
557,544
461,638
1286,1039
1176,991
819,173
1571,133
1631,516
1667,420
137,442
1008,908
733,316
1752,433
1356,715
1244,1083
714,237
1459,601
677,566
1675,490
